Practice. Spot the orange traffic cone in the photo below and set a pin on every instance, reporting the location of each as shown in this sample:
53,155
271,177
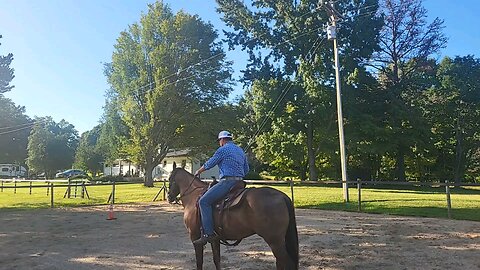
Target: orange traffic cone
111,215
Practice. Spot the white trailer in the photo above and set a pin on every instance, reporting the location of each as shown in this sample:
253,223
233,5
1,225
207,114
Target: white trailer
12,170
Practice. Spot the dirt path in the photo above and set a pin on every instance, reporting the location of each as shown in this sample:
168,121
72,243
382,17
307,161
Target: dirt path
153,237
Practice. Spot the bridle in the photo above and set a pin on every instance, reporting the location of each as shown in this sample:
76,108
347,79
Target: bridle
186,192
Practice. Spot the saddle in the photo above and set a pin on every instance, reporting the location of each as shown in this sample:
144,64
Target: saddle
234,198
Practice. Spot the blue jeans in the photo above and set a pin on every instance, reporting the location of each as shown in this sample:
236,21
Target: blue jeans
208,199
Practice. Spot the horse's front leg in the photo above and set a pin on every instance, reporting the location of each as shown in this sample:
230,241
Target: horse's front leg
216,254
199,256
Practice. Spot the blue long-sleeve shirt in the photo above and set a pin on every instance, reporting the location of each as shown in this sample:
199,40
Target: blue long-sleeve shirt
231,161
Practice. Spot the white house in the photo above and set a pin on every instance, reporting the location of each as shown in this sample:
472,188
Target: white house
175,158
121,167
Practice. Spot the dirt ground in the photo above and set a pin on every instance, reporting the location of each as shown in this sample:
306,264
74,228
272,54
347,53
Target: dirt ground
152,236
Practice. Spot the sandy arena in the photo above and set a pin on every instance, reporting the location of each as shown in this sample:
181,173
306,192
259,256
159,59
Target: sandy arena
152,236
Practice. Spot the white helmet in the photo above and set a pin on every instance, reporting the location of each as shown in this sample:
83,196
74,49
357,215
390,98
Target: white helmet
224,134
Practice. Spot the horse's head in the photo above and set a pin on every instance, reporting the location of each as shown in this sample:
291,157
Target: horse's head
173,188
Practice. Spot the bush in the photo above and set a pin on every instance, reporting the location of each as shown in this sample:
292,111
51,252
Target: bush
253,176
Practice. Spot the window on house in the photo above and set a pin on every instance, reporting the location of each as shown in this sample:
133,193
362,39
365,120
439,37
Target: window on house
164,163
4,169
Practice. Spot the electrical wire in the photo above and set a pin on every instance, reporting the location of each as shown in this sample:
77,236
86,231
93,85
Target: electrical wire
219,54
280,98
26,125
15,130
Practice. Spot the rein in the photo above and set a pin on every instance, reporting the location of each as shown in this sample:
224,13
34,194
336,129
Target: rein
186,193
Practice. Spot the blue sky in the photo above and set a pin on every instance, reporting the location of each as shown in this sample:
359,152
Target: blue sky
60,46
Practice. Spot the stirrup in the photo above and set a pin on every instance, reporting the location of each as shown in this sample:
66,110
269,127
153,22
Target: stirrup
205,239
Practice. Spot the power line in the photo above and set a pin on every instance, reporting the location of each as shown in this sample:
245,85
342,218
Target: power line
15,130
217,55
26,124
267,116
281,97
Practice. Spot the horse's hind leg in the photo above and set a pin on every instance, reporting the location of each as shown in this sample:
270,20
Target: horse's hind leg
279,250
216,254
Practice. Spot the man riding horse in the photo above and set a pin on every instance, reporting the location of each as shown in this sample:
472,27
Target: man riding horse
233,165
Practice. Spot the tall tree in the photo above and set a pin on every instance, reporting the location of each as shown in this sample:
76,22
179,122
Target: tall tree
406,41
51,146
114,135
88,155
6,72
167,71
287,49
454,110
15,127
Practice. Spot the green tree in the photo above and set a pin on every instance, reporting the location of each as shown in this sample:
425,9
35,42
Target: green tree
114,135
454,110
15,127
290,61
168,72
88,155
51,146
14,124
6,72
406,42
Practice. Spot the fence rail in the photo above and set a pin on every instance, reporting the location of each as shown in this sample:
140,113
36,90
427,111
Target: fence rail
50,185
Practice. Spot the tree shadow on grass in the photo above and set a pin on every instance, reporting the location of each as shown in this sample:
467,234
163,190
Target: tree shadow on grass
471,213
420,190
62,203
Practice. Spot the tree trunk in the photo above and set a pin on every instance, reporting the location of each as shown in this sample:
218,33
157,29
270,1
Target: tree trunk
459,152
400,165
303,171
312,169
148,179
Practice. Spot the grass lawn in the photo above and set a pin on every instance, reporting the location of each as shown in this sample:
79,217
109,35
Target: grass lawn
427,202
98,194
411,201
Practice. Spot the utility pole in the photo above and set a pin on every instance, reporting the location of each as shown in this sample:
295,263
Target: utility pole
332,35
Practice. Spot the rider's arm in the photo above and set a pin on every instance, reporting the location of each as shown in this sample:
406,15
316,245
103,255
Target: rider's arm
199,171
215,159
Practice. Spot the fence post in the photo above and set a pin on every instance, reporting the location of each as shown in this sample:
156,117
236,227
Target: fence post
291,189
76,185
30,187
51,195
113,192
2,185
164,190
68,188
83,190
359,188
449,202
15,187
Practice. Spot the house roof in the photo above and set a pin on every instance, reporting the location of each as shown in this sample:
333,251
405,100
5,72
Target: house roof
178,153
172,153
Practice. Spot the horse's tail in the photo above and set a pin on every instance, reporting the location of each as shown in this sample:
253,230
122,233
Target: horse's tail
291,237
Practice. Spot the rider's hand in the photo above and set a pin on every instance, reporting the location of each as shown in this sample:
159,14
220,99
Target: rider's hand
197,174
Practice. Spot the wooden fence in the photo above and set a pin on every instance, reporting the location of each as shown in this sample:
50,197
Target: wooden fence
82,185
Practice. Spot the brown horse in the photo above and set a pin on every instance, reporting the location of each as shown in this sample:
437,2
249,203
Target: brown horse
265,211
